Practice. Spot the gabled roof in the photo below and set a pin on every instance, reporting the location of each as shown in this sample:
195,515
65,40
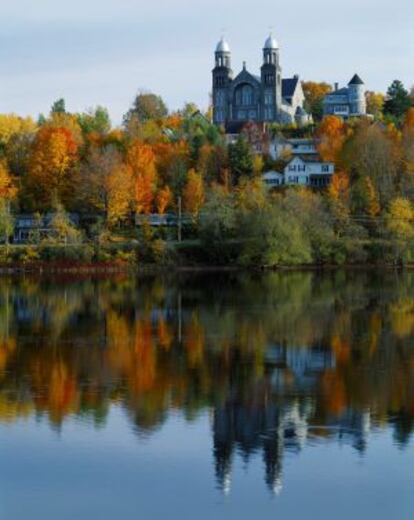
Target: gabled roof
289,86
245,75
356,80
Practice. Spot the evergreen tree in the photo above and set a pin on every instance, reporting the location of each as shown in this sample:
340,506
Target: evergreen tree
240,159
398,100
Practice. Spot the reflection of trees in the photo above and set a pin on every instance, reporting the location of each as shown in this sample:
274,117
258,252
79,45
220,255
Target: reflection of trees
280,357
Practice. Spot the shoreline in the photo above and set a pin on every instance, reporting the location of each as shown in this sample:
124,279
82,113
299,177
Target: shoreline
112,269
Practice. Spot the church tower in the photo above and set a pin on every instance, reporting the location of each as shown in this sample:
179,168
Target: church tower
222,77
271,74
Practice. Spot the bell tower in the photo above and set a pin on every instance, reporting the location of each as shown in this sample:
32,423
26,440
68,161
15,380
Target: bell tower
271,74
222,77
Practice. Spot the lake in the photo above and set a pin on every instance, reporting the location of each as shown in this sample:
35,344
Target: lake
207,396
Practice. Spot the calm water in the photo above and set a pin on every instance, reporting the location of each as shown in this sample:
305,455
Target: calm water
283,396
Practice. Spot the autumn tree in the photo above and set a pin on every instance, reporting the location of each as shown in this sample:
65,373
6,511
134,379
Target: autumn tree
51,167
331,134
375,103
141,159
314,95
106,184
193,193
7,193
164,199
373,151
146,106
399,223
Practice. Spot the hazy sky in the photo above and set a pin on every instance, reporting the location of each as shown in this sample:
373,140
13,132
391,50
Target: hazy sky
103,51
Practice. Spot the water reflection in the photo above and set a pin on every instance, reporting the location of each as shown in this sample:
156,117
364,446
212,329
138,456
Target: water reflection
280,360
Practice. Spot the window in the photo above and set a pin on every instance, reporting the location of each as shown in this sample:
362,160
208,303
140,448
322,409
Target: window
220,98
244,95
268,113
325,168
268,98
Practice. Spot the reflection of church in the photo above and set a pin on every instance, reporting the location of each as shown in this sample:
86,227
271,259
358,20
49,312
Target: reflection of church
267,98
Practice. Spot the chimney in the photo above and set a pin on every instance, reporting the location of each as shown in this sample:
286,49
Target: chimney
336,86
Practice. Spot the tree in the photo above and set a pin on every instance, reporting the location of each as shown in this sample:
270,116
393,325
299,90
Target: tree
193,193
58,107
106,184
7,188
164,199
364,198
400,229
7,193
314,96
51,166
146,106
398,100
240,159
399,219
375,103
65,232
373,151
332,134
141,159
95,120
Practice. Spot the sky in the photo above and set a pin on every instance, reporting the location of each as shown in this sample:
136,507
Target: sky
102,52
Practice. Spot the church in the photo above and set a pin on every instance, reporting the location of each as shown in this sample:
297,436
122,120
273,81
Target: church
267,98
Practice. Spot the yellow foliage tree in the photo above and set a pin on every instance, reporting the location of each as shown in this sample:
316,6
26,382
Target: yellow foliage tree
193,194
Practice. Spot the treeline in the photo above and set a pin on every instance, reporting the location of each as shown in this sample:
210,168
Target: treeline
161,162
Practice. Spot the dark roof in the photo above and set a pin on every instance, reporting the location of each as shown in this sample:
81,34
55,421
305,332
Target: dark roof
356,80
289,86
340,92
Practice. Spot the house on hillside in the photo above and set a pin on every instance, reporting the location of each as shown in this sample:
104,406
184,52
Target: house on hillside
348,101
308,171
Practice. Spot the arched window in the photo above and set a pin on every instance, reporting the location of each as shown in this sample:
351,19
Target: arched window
244,95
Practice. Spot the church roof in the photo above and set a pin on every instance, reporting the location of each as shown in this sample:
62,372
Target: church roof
223,46
356,80
271,43
289,86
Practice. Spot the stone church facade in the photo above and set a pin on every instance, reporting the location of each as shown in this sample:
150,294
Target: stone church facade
268,98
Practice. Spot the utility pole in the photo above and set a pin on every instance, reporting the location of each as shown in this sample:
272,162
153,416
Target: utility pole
179,223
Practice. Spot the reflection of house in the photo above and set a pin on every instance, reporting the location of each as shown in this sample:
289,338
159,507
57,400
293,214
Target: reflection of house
263,426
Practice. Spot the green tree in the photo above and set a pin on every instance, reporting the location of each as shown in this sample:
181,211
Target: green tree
58,107
95,120
240,159
398,100
146,106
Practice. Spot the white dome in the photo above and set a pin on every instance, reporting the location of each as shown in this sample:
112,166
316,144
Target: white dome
223,46
271,43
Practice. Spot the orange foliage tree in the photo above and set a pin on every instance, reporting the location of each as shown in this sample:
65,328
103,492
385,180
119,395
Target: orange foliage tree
141,159
332,133
164,198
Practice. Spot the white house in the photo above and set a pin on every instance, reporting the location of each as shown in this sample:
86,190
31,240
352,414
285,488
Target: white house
308,171
273,178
